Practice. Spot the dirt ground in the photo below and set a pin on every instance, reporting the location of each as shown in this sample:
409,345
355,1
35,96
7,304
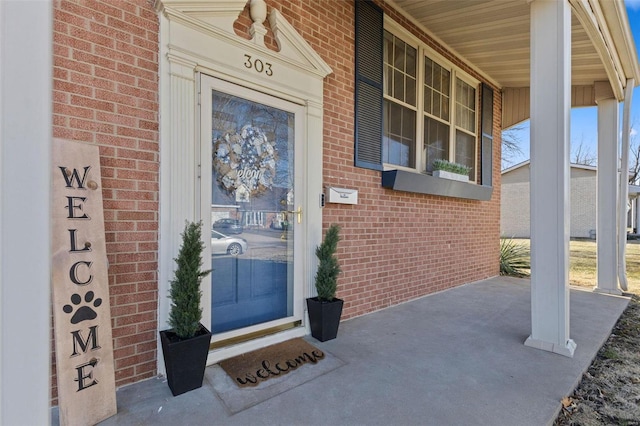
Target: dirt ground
609,393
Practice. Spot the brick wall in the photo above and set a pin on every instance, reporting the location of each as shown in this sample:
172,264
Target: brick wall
106,94
396,245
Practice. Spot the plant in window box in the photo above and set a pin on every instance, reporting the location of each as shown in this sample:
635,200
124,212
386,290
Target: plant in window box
325,310
185,346
448,170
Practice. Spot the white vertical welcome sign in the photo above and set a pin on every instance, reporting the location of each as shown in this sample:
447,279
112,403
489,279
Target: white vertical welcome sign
84,347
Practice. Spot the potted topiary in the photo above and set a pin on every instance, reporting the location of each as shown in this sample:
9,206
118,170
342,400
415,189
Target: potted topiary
448,170
325,310
185,346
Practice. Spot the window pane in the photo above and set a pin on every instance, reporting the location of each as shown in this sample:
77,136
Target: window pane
399,139
408,124
466,151
398,57
444,114
400,69
437,78
428,108
398,85
388,47
428,72
436,90
411,62
445,75
465,106
395,119
410,91
388,80
436,104
436,142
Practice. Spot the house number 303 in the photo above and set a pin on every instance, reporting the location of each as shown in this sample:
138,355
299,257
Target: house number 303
258,64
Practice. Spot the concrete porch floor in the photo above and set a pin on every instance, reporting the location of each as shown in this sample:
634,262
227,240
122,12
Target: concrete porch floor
456,357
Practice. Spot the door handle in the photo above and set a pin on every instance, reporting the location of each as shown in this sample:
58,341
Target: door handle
298,213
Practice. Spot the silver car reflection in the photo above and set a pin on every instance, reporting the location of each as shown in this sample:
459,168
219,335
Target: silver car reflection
224,244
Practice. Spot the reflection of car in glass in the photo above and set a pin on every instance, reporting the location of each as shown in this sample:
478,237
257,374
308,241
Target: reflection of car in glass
223,244
230,226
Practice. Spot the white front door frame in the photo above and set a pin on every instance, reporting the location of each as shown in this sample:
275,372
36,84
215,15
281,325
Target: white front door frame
203,41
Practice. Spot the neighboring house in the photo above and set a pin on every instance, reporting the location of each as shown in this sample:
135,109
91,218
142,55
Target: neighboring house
515,206
205,109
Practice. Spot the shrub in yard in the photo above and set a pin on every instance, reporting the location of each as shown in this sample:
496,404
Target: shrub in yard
515,259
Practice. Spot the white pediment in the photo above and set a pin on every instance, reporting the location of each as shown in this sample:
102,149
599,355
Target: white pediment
217,17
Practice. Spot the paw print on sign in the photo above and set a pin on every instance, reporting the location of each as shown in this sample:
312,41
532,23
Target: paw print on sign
83,313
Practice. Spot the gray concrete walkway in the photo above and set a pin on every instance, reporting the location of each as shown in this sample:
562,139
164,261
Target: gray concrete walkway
453,358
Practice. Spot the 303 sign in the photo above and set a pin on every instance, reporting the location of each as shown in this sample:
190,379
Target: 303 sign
258,65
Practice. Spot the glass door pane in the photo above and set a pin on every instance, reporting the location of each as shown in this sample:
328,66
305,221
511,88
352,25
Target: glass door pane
252,224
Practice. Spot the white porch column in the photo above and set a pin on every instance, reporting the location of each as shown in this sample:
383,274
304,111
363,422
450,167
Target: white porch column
550,197
607,193
25,165
636,205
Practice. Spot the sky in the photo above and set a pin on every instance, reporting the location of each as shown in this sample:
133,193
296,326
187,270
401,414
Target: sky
584,120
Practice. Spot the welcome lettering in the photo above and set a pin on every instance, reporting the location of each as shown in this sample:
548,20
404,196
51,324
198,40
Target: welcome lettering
75,210
83,337
280,367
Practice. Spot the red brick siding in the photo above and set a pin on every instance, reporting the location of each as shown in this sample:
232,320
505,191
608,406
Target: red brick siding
396,245
106,94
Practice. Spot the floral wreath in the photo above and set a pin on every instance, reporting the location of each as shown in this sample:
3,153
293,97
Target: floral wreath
245,159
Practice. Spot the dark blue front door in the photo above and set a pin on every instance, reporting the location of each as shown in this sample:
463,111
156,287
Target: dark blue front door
252,153
248,292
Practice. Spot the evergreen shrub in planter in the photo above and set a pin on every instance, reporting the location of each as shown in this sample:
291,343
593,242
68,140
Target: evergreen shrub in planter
185,346
325,310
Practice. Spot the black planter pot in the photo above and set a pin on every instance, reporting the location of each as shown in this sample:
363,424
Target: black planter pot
324,318
185,360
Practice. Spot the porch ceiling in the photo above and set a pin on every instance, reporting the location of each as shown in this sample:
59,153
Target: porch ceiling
493,35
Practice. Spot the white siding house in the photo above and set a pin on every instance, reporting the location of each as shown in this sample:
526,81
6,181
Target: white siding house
515,206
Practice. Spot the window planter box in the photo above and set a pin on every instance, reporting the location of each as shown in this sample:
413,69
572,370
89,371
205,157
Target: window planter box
402,180
450,175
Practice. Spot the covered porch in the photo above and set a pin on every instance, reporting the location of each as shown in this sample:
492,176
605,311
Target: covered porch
462,361
547,57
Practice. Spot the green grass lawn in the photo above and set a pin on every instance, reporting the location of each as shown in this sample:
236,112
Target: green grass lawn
582,259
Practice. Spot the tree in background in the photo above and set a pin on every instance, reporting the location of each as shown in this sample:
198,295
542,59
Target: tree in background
634,156
511,145
582,154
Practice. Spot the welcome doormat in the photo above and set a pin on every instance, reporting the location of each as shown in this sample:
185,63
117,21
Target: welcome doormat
237,398
267,363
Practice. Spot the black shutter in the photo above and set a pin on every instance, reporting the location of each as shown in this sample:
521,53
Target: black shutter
487,135
368,97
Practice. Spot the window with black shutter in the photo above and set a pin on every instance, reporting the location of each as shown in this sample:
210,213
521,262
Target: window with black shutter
414,108
368,96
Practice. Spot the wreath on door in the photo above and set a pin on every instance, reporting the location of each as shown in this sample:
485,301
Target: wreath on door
245,158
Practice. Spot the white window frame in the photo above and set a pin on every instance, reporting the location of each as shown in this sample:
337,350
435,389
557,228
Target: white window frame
455,73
